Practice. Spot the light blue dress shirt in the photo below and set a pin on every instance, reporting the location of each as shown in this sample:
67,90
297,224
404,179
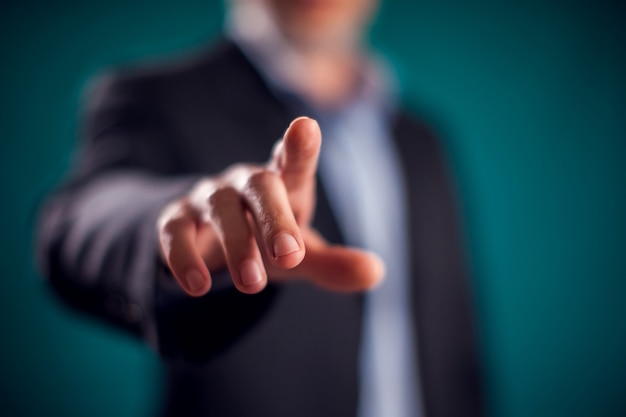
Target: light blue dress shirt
360,172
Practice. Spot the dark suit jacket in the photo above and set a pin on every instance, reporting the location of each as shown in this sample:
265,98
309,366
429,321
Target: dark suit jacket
291,350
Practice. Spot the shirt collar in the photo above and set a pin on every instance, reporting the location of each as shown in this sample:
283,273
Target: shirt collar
251,28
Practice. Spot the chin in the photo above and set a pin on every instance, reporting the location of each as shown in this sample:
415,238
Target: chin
326,41
324,33
322,23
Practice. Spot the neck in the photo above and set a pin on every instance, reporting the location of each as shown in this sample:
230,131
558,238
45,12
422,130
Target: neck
325,73
328,77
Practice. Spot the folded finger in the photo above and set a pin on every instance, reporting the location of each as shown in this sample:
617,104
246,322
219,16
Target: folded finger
177,238
266,197
226,212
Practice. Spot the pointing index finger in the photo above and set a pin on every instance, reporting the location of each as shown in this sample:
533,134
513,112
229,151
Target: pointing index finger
297,154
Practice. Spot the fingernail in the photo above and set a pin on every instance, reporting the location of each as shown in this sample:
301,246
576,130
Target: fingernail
284,244
195,280
250,272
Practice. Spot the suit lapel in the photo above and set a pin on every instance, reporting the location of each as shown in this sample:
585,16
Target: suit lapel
447,358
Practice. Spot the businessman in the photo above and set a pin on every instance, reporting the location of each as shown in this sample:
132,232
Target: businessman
187,223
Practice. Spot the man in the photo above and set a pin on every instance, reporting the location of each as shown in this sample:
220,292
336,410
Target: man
224,265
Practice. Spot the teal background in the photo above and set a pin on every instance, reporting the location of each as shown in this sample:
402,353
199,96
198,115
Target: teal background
531,102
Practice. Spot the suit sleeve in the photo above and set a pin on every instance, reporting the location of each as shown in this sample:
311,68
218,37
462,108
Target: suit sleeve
97,242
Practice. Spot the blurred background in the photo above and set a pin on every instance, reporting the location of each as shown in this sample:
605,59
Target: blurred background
530,99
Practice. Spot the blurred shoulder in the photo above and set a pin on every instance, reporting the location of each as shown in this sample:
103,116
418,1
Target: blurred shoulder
212,64
409,124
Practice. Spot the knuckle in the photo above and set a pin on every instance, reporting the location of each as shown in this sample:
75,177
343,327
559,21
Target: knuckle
261,179
272,223
234,170
222,197
173,217
173,225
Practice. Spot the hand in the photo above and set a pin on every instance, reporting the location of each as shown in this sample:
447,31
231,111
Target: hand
256,221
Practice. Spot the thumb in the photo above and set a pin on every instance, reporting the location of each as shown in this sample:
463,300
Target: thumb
339,268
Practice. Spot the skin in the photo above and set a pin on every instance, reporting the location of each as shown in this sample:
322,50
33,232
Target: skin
255,219
322,25
327,35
